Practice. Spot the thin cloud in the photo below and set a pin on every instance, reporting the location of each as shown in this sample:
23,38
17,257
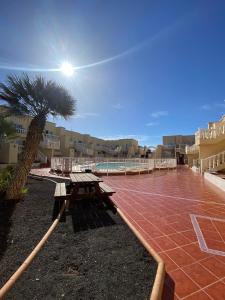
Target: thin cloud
206,107
213,105
139,138
158,114
221,105
118,106
150,124
85,115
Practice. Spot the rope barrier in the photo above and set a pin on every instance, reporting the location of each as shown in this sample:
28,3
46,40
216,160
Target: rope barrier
12,280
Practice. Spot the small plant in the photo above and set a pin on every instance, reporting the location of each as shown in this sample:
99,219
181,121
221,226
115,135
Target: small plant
24,191
5,177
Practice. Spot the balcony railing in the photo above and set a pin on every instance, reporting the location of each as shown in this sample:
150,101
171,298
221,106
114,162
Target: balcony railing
20,148
3,139
196,163
21,130
83,148
192,149
213,163
210,134
50,141
79,146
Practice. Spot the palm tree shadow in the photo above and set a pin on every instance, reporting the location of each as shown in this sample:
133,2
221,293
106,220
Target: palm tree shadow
6,211
90,214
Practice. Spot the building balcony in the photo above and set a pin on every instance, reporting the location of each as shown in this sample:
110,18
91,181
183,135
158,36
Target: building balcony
89,151
194,149
181,148
50,141
21,131
20,148
83,149
3,139
211,135
79,146
105,149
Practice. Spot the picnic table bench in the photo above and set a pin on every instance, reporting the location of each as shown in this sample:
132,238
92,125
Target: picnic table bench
82,185
105,189
60,190
60,196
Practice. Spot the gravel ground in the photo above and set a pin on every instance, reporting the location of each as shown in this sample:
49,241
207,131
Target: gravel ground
93,255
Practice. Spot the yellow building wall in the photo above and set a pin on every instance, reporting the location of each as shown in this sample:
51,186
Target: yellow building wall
179,140
8,153
207,150
158,151
68,138
191,157
51,127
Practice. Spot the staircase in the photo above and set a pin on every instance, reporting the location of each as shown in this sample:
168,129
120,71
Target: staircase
213,163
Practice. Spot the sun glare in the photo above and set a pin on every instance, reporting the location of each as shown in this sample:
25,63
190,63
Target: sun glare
67,69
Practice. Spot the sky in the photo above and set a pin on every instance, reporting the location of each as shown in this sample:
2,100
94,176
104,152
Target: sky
143,69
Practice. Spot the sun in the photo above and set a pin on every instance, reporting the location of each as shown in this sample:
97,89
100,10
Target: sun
67,69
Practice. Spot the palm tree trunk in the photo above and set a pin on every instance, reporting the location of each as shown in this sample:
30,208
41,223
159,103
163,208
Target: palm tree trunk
23,167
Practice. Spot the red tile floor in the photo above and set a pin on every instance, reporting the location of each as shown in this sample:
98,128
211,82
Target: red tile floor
182,216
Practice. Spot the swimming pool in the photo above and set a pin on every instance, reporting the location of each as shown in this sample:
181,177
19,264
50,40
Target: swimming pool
113,166
119,166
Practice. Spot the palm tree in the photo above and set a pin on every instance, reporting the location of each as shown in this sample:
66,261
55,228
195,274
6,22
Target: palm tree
36,98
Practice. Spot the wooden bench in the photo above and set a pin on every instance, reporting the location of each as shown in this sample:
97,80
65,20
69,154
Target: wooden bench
60,196
60,190
105,189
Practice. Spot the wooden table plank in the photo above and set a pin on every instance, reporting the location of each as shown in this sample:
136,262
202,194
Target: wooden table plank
84,177
93,177
106,188
60,190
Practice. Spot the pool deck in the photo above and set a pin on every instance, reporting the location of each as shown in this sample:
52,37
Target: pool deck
181,216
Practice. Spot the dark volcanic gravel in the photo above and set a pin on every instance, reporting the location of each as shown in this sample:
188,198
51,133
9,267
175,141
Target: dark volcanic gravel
93,255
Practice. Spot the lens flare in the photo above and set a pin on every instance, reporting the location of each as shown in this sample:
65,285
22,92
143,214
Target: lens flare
67,69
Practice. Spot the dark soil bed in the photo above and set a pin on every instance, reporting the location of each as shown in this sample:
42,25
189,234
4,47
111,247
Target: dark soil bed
93,255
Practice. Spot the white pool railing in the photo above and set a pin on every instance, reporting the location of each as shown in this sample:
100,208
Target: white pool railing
80,164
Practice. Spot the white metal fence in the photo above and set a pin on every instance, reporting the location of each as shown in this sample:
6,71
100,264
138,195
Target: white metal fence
213,163
109,165
191,149
196,163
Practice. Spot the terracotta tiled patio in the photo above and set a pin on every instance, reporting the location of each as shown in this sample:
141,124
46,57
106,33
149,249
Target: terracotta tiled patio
183,218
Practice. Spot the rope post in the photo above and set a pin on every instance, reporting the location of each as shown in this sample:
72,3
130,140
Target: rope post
107,167
139,166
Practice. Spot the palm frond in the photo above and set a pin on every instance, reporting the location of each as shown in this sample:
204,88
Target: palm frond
27,96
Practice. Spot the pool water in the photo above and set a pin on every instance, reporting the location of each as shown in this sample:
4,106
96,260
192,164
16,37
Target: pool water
116,165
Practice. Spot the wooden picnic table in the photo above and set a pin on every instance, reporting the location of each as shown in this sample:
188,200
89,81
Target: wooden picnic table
84,178
82,185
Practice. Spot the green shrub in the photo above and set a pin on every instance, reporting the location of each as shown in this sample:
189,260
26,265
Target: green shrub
5,176
24,191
